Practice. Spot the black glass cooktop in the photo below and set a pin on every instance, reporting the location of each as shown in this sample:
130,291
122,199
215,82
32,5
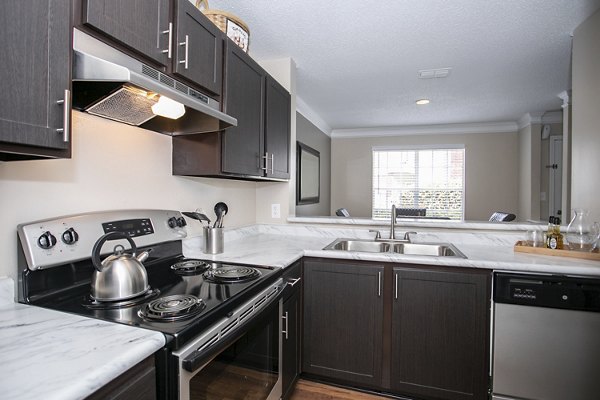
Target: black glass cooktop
194,289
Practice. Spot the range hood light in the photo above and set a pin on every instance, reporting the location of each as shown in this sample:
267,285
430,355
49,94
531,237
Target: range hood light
165,107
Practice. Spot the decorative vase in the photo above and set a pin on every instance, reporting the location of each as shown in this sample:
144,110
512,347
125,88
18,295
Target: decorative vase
581,233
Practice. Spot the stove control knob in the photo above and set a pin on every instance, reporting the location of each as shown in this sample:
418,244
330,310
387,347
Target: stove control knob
46,240
172,222
181,222
70,236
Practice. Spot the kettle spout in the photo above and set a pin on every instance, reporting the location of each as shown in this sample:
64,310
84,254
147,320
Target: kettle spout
143,256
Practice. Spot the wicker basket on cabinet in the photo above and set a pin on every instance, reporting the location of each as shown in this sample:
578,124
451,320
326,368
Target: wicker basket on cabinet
232,25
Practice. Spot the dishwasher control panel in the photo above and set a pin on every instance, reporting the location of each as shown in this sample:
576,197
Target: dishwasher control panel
548,291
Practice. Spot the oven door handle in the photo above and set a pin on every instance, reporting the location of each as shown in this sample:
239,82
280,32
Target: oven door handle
197,359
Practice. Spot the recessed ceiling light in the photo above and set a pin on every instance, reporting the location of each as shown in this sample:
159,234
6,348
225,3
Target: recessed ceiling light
422,102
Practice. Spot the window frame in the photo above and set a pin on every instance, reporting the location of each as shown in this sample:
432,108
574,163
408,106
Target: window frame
453,146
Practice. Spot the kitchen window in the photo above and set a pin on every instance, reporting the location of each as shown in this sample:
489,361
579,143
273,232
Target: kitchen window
430,178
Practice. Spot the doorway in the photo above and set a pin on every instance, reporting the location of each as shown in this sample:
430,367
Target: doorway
555,176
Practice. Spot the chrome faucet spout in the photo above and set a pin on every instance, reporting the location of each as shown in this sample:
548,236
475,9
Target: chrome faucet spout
393,223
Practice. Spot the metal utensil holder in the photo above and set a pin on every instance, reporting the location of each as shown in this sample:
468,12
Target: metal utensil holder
213,240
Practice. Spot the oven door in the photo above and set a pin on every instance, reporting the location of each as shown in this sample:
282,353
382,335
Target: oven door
239,362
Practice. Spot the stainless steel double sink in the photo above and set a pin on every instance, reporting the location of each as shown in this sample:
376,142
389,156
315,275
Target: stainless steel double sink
396,247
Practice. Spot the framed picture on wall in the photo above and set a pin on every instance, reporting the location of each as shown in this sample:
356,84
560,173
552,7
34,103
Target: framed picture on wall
308,188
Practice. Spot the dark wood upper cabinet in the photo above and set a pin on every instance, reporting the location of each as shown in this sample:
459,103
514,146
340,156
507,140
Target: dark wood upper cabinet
439,334
173,34
142,25
343,321
198,54
258,147
277,130
35,79
244,99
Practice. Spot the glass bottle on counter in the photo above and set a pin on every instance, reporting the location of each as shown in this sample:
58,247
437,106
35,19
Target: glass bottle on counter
554,239
559,236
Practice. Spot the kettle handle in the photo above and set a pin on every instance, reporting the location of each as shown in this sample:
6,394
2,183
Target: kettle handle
103,239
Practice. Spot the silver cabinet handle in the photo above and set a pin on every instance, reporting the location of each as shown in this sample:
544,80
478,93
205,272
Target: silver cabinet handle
272,163
396,287
266,158
66,129
293,282
285,318
379,284
187,46
169,31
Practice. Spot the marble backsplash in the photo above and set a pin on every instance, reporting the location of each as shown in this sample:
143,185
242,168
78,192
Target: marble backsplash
475,237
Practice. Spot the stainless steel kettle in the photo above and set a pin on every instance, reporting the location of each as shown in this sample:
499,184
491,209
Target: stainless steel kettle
119,276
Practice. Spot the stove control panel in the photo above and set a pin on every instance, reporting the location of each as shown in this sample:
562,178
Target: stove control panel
67,239
132,227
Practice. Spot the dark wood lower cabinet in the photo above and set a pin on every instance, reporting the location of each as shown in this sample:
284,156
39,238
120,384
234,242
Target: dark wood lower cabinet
343,319
440,334
421,333
139,383
290,365
292,316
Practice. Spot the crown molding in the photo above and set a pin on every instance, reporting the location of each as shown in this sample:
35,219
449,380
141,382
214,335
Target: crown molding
552,117
565,96
312,116
408,130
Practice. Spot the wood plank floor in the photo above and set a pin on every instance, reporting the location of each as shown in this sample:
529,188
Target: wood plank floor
307,390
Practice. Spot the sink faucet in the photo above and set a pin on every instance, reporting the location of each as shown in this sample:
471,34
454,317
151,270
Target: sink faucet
393,223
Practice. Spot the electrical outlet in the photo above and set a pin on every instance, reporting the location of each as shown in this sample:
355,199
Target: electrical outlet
275,210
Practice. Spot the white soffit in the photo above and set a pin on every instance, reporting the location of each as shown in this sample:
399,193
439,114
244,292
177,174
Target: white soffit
450,129
312,116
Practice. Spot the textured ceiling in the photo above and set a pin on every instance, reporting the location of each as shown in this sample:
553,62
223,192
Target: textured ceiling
357,61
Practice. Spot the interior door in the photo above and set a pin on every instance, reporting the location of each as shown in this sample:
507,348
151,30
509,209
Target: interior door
555,179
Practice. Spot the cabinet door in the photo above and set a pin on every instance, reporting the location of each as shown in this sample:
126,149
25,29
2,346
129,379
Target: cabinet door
277,130
440,334
35,77
198,48
290,364
343,321
142,25
242,145
139,383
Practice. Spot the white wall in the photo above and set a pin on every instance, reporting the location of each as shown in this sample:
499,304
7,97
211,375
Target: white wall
585,162
530,143
310,135
114,166
491,171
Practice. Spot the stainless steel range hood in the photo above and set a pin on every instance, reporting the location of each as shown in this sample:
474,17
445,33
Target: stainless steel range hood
111,84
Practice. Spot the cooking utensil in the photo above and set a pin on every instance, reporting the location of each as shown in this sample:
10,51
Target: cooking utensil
221,219
197,216
220,210
119,276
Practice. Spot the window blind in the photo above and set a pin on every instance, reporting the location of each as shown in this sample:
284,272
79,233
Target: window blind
431,178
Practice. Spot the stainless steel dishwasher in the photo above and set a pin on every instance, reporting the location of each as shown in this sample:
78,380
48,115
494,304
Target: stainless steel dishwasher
546,337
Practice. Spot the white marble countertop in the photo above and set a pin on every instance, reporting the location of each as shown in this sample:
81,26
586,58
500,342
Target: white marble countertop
281,245
53,355
48,354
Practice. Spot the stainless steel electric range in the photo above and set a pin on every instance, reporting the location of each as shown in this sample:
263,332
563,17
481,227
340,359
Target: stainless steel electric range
221,321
